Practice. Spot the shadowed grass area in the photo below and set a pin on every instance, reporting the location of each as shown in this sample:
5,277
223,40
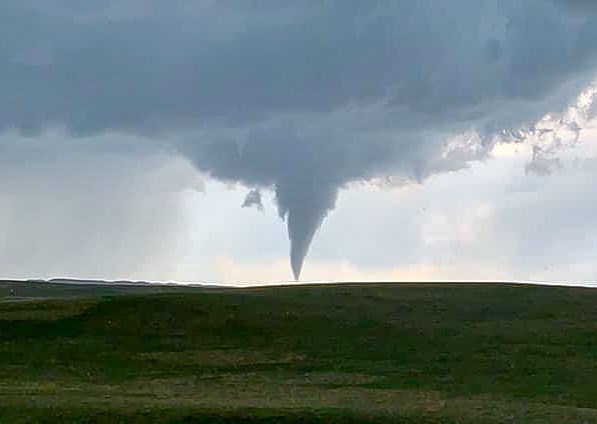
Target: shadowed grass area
352,353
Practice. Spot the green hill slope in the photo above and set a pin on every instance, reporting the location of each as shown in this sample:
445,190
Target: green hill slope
353,353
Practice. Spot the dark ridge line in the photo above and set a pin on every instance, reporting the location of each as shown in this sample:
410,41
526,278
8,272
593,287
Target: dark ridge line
315,284
423,284
110,283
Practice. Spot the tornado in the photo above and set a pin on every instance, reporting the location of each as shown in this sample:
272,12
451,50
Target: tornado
304,208
301,230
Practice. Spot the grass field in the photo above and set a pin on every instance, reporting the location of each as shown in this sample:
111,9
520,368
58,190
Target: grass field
340,354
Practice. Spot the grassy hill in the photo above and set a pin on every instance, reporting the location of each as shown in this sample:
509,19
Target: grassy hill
346,354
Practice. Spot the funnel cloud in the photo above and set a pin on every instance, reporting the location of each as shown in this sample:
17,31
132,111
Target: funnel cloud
304,209
298,98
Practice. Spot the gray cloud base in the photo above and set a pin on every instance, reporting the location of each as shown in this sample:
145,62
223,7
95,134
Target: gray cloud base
303,96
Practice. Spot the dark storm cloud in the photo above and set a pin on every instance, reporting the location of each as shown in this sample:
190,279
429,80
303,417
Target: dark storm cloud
173,66
299,96
579,5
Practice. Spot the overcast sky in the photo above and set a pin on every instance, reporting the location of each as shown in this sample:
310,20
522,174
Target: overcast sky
225,141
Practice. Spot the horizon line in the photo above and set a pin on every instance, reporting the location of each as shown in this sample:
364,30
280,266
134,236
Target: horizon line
265,284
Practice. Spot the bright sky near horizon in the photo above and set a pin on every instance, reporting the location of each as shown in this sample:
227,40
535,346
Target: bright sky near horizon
396,140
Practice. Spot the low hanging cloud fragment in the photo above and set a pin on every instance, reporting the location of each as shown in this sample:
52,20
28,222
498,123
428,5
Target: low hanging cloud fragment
253,199
542,163
300,98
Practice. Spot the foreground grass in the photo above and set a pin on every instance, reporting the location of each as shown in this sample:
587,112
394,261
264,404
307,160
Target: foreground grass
361,353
